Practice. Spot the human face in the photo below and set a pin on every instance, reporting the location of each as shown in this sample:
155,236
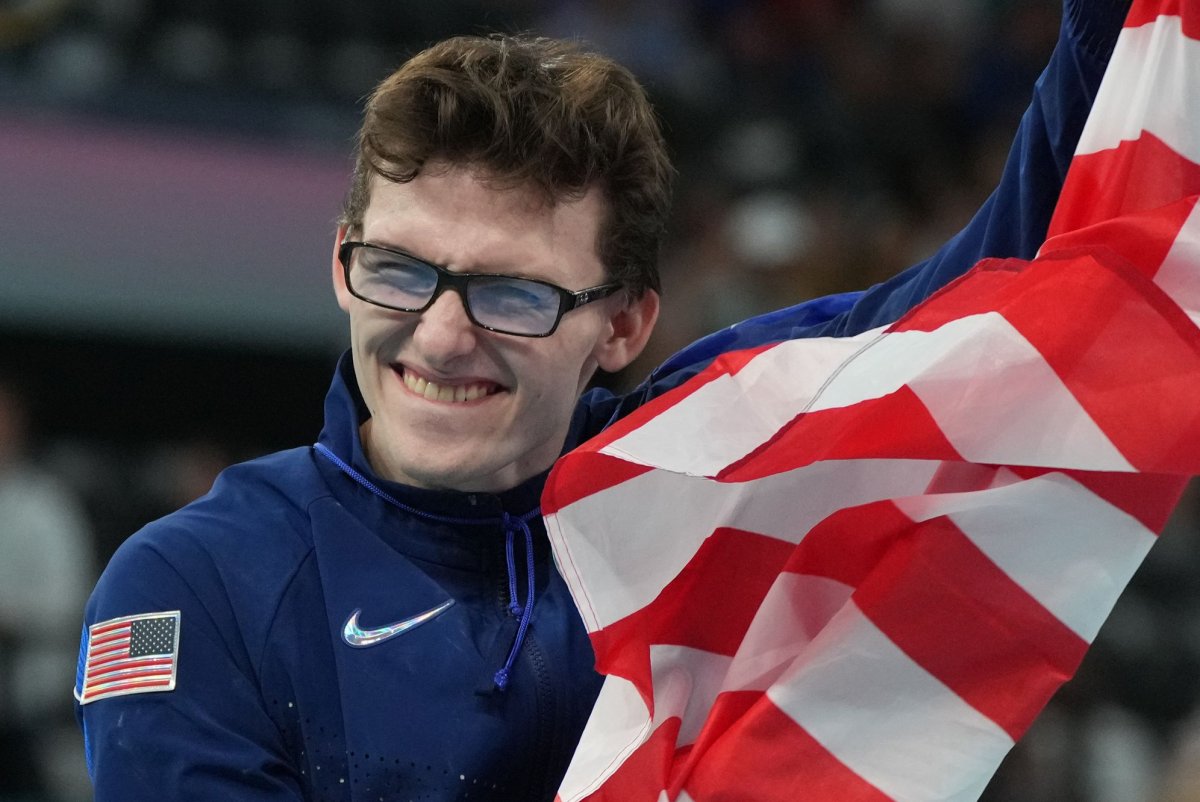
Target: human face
454,406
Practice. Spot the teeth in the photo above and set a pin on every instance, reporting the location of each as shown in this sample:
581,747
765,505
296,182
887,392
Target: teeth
448,394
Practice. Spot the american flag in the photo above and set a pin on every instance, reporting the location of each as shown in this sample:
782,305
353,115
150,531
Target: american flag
857,569
134,654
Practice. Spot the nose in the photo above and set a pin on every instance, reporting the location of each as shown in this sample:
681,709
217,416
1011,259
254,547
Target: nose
444,332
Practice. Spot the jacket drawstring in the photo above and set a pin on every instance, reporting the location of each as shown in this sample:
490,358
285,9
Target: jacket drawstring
509,523
512,524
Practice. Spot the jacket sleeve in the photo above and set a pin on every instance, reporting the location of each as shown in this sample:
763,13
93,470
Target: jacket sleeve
210,737
1011,223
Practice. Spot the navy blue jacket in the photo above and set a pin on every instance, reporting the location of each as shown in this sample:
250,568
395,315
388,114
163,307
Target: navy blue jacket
272,703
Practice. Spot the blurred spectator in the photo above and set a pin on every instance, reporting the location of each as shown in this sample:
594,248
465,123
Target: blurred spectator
657,41
1181,775
176,474
45,573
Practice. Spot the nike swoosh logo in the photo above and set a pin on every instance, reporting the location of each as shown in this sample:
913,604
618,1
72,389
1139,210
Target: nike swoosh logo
360,638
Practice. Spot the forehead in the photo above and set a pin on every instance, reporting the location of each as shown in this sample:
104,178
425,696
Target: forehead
456,217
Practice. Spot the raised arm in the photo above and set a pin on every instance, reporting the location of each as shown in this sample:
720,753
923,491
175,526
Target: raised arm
1014,219
1011,223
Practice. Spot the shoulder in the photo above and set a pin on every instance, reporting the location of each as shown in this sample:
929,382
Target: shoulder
258,507
233,552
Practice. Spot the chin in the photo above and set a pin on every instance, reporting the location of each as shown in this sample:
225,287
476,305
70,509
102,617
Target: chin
450,474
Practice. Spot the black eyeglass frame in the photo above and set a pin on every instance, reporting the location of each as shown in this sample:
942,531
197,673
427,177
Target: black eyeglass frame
448,279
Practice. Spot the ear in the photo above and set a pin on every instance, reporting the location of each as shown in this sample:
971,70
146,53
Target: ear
631,324
339,274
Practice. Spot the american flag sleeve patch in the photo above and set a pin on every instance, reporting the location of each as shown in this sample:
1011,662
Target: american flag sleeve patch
133,654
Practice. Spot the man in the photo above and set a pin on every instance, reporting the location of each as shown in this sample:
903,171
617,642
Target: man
377,616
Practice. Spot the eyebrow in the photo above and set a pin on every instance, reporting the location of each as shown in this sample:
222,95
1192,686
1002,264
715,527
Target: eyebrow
502,272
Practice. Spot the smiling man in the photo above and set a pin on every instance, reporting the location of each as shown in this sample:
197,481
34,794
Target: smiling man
377,617
452,405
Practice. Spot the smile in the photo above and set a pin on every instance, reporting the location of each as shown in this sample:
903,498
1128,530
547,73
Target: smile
452,394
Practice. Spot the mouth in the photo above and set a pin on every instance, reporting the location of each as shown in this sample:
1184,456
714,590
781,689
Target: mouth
445,393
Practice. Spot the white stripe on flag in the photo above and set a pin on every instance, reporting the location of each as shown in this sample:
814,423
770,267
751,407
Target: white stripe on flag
1179,275
1014,398
991,393
887,719
792,613
994,397
766,394
619,574
1152,71
1067,547
619,724
686,683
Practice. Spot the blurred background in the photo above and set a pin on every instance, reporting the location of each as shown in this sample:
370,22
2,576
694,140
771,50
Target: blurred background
170,173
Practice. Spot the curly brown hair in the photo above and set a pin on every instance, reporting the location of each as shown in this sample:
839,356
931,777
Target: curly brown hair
534,112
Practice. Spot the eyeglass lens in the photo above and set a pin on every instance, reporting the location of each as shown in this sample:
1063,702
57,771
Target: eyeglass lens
504,303
512,304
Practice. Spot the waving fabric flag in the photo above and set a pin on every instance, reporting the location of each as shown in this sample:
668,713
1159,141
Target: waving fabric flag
856,569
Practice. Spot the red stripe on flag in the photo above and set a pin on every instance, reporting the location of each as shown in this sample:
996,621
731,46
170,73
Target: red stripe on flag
1144,239
94,676
99,630
1134,177
109,653
766,755
845,545
110,646
1146,11
117,657
641,777
1147,497
112,637
724,365
895,425
877,549
571,480
1007,654
743,565
1149,410
110,643
963,477
728,708
156,682
588,473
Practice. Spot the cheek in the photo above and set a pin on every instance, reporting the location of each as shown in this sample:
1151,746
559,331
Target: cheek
572,370
584,364
371,333
549,377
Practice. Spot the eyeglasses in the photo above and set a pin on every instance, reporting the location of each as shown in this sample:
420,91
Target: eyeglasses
524,307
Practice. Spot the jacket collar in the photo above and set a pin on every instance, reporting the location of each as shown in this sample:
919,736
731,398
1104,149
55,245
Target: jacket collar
345,411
